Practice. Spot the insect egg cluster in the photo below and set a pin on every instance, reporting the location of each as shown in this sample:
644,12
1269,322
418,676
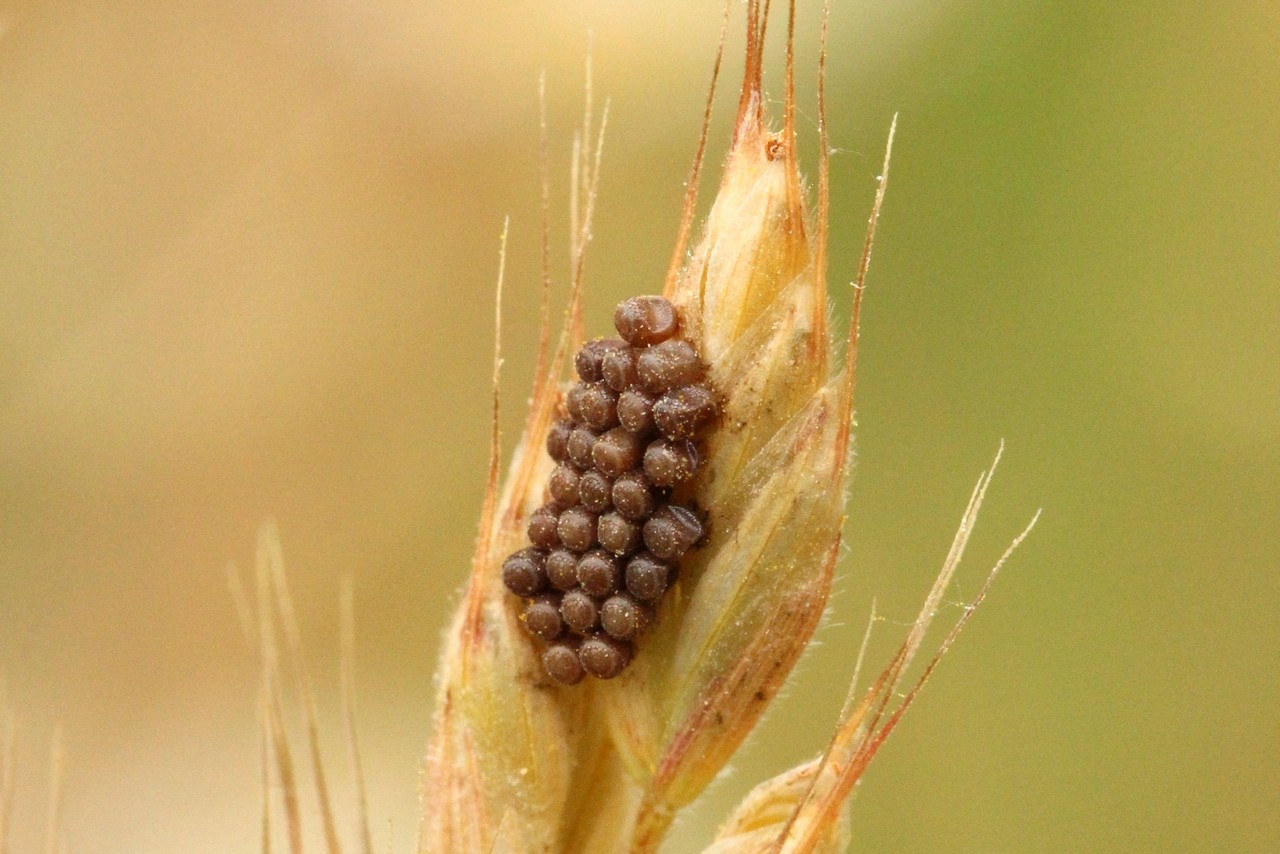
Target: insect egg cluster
606,547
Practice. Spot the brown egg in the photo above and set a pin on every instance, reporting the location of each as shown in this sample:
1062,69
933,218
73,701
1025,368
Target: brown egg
671,531
525,572
647,577
562,664
604,657
669,365
645,321
542,617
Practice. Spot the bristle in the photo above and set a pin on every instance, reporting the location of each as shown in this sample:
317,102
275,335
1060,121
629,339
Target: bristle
695,171
348,678
860,280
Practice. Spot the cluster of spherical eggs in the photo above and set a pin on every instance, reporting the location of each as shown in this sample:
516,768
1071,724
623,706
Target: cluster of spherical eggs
607,545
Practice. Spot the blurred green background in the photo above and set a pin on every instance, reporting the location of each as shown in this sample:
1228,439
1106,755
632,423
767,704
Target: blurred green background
247,254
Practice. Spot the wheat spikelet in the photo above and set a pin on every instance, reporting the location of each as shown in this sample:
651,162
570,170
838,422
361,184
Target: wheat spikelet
517,762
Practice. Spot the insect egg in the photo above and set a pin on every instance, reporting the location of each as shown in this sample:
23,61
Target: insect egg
542,617
561,662
605,547
579,611
604,657
644,321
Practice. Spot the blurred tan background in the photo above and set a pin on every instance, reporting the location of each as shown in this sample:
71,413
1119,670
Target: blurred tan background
246,263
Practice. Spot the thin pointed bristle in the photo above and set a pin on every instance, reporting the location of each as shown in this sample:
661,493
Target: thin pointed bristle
824,158
864,264
265,759
846,710
488,512
858,737
276,736
283,756
347,667
750,99
302,680
789,102
244,608
575,190
695,172
544,174
495,387
590,187
795,194
883,733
